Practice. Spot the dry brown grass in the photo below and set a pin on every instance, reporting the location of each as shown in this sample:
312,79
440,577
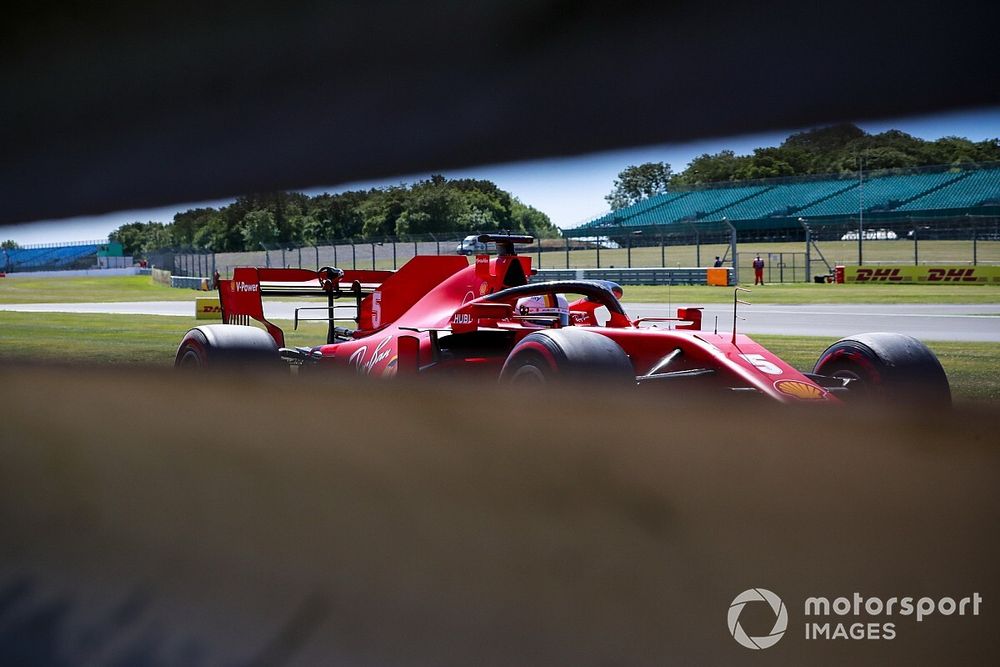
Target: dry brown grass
264,522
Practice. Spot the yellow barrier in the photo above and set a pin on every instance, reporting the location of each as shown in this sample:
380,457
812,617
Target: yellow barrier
929,274
207,308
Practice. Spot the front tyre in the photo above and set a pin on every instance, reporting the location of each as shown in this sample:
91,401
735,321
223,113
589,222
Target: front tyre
558,356
888,368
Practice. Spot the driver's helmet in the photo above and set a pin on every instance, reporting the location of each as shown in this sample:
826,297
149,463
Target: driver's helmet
544,304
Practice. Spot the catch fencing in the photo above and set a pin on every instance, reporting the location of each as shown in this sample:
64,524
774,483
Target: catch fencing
797,254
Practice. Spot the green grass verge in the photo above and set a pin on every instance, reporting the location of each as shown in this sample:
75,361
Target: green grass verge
113,289
152,340
110,339
793,293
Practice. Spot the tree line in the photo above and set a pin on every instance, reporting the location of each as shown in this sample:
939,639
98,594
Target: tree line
837,149
434,206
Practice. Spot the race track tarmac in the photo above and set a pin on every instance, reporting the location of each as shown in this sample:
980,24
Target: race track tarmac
973,323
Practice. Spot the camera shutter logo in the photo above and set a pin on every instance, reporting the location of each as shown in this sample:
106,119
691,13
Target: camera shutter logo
780,620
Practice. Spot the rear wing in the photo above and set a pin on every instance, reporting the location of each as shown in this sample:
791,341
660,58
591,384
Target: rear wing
242,297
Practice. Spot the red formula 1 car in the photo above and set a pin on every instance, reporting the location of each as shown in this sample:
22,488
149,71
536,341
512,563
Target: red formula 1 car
440,315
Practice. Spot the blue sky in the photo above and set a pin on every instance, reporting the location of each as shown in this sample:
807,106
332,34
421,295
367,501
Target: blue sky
569,190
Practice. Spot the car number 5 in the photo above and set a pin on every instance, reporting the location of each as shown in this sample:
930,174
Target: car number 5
760,363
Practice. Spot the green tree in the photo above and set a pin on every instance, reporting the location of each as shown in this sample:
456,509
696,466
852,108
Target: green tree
430,207
723,166
9,244
382,209
213,235
187,225
635,183
530,220
258,228
769,163
829,139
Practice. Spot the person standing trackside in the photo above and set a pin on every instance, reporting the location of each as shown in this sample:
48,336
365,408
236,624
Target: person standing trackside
718,262
758,271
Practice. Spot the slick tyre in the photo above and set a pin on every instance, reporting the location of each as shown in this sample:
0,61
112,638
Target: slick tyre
227,347
562,356
887,368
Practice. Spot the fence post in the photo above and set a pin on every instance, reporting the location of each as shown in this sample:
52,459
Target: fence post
599,242
567,252
663,252
805,226
861,233
316,248
697,245
393,255
974,249
354,257
732,246
539,253
916,252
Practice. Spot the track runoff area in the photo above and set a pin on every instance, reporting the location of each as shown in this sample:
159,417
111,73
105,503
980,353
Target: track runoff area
932,313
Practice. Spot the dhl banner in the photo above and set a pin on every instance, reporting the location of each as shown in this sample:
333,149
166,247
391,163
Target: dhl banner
928,274
207,308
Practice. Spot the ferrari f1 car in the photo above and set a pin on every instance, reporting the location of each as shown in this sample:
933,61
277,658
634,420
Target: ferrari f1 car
439,315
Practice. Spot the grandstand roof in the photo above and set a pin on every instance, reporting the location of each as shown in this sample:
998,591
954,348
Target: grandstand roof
962,189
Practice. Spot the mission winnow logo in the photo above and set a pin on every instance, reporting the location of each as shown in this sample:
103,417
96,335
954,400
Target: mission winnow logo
874,617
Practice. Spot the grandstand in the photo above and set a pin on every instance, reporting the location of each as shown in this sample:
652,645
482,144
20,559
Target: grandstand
52,257
885,196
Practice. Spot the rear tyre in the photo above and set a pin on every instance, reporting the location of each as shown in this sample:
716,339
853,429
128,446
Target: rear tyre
560,356
886,367
227,346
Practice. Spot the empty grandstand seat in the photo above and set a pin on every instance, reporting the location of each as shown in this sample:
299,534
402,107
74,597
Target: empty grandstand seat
977,188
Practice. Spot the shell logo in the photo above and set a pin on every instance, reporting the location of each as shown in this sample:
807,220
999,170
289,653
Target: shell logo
484,288
801,390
